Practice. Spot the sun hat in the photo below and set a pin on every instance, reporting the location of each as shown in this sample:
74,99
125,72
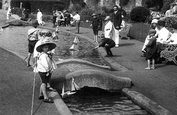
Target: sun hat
107,18
48,42
154,21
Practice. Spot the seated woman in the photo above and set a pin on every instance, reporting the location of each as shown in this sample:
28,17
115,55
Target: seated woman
173,38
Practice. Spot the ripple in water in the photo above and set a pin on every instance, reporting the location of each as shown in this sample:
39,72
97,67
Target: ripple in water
96,101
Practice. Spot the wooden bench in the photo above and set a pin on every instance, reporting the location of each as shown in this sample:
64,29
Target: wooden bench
123,33
170,53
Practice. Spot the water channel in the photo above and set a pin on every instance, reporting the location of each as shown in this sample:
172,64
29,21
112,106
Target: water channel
15,40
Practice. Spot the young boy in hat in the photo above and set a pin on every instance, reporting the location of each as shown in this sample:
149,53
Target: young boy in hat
32,39
45,66
95,26
151,49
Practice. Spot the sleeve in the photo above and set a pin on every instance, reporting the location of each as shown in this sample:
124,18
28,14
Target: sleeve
45,62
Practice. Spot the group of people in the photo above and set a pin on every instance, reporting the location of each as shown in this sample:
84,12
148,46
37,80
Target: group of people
157,39
111,30
66,19
41,45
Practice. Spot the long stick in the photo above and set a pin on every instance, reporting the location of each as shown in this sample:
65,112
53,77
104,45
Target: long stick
32,104
88,51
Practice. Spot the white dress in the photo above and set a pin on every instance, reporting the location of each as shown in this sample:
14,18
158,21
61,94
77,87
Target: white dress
39,17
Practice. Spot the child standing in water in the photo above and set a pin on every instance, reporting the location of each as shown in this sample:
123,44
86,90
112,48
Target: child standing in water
45,66
151,50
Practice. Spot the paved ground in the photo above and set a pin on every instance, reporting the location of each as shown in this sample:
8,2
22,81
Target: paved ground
160,85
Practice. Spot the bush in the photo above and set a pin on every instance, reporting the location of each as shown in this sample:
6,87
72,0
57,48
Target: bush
45,18
17,11
169,21
139,14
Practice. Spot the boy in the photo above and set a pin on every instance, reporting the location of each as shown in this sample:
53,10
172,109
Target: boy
151,49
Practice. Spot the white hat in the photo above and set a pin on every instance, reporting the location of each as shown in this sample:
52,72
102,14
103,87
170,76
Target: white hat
107,18
46,42
154,21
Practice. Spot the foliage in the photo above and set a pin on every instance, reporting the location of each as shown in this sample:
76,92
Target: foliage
139,14
75,7
166,5
17,11
169,21
124,2
154,3
86,14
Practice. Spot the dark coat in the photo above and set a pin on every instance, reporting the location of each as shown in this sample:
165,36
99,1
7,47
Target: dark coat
117,19
110,43
151,48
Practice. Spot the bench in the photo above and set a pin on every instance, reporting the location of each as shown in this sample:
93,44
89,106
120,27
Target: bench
123,33
170,53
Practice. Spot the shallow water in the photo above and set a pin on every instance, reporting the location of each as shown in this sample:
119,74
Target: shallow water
114,103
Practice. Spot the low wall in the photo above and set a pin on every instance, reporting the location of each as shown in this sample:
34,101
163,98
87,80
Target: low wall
139,31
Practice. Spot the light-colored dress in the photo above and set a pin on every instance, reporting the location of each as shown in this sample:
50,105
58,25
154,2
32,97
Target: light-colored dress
39,17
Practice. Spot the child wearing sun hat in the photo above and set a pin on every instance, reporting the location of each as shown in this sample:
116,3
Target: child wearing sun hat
45,67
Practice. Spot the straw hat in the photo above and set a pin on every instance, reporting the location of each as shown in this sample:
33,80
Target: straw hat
107,18
46,42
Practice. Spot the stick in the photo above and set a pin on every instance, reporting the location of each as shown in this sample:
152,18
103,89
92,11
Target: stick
32,104
88,51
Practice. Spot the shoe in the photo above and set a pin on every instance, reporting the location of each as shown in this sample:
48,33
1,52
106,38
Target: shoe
147,68
117,46
28,65
51,89
152,67
41,97
108,55
48,100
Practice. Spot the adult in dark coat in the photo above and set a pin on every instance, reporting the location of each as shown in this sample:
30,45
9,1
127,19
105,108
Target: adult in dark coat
107,43
117,20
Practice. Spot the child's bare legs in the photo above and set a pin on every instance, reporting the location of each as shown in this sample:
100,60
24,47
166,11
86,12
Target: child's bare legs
43,91
153,64
148,63
28,59
96,38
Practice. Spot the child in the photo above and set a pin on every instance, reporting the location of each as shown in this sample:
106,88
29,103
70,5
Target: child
95,26
151,50
45,66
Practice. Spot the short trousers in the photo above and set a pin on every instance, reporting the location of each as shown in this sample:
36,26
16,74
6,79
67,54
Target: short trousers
45,79
95,30
31,45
